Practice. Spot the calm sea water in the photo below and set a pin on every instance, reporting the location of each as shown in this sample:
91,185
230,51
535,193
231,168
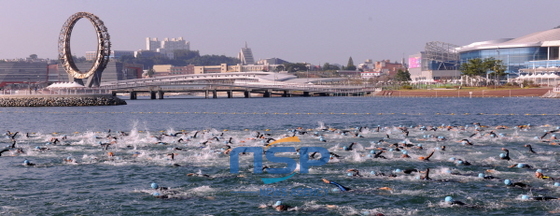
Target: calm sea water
120,185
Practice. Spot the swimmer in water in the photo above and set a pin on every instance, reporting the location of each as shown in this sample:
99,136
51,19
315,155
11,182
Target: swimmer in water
465,142
157,187
540,175
520,165
281,207
506,155
199,175
449,200
427,158
354,172
508,183
530,148
27,163
4,150
482,175
538,198
549,132
342,188
349,148
426,175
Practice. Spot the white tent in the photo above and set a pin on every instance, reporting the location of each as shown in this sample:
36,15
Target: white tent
65,85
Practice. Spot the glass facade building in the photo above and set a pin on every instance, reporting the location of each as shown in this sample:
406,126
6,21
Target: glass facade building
540,49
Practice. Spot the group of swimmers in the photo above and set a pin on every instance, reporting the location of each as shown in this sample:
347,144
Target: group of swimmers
179,143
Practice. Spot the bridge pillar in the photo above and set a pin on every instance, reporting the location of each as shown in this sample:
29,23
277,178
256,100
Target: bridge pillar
286,94
132,95
206,94
306,94
113,93
152,95
247,94
214,93
229,94
160,94
267,93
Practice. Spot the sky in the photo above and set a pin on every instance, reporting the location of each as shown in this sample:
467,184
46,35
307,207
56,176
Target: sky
311,31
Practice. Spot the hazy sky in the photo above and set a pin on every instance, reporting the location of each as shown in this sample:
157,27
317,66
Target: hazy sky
315,31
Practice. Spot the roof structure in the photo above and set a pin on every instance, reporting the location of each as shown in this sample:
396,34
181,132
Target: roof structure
544,38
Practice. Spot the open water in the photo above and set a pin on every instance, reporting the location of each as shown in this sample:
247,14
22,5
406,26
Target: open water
99,184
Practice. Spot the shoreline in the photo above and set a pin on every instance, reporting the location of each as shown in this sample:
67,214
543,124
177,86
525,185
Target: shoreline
60,100
529,92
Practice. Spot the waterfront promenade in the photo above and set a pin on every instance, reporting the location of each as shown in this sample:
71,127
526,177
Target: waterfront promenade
499,92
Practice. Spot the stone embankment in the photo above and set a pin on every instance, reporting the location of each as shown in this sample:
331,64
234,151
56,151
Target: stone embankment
59,100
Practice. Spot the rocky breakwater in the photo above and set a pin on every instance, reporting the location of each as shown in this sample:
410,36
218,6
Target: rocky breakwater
59,100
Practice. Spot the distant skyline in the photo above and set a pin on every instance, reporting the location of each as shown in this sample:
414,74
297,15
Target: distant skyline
313,31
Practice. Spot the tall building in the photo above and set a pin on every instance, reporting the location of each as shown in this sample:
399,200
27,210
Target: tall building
438,61
246,56
167,46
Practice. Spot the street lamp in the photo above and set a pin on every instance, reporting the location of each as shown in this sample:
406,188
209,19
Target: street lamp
308,66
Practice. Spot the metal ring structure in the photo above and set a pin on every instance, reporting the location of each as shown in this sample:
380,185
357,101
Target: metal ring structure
103,46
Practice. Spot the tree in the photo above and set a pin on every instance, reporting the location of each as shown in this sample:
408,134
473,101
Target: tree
481,67
350,65
33,56
402,76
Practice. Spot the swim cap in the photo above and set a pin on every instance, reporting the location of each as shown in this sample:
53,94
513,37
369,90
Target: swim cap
481,175
373,173
391,150
372,152
452,159
404,152
25,161
349,174
502,155
37,147
557,184
459,162
539,171
524,197
69,158
398,170
419,145
277,203
507,182
365,213
154,186
520,165
369,155
335,190
536,137
155,194
448,199
345,148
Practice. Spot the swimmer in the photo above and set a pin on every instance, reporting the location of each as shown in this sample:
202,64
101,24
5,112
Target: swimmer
405,154
354,172
68,159
508,183
4,150
159,196
506,155
38,148
378,155
482,175
426,175
530,148
171,155
449,200
157,187
349,148
27,163
520,165
427,158
13,143
200,175
465,142
538,198
540,175
54,140
342,188
280,207
549,132
12,136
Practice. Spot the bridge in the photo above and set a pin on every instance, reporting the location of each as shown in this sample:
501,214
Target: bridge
263,83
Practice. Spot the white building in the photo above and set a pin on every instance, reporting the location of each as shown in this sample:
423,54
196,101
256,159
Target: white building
167,46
